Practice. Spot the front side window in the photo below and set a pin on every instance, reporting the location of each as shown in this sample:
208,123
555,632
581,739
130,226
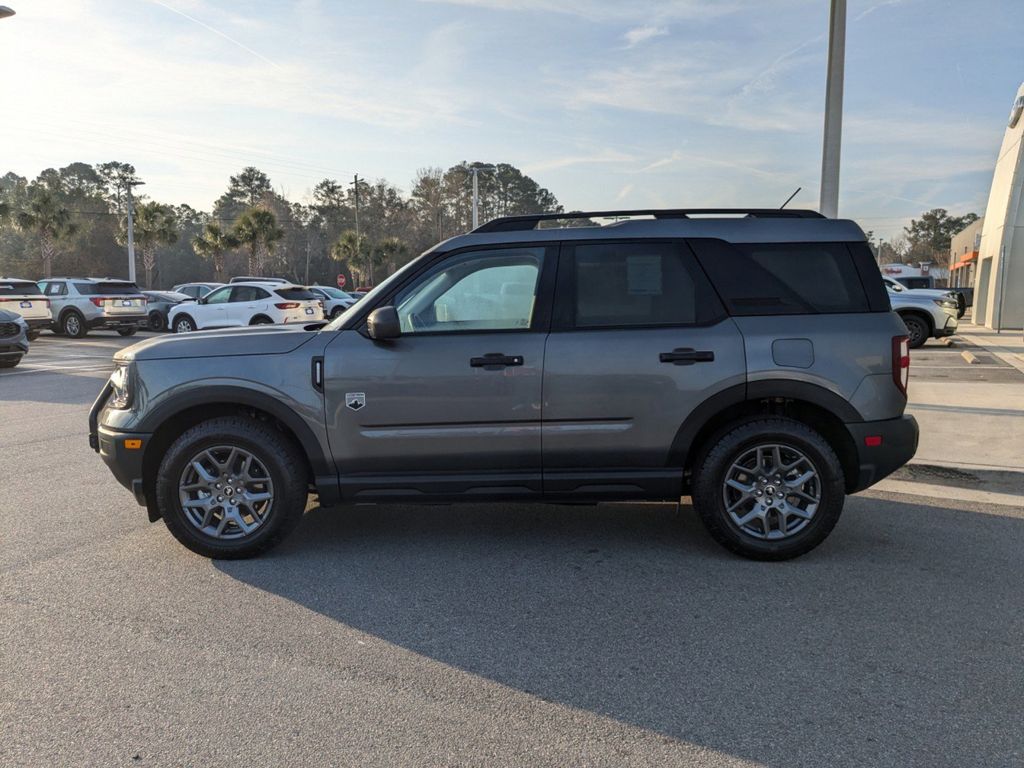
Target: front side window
638,284
220,296
477,291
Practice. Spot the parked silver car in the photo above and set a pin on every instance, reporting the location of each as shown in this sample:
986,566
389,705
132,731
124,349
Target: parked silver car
82,304
13,338
335,300
195,290
925,316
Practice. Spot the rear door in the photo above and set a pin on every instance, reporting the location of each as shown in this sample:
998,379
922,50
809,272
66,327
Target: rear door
247,301
638,341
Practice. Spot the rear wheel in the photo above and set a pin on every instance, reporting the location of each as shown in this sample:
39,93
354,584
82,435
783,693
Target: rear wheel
770,489
73,325
917,330
157,321
261,320
184,324
231,487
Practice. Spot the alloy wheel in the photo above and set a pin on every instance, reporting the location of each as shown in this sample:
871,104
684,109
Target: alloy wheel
226,492
771,491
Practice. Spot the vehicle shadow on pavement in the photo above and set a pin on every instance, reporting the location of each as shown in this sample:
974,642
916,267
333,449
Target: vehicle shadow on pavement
854,654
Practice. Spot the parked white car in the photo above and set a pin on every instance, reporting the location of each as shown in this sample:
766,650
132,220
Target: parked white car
252,303
23,297
335,300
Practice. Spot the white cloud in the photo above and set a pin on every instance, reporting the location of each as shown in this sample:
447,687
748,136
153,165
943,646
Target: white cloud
624,193
639,35
604,156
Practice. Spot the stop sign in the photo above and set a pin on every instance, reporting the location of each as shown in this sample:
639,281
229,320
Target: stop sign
341,281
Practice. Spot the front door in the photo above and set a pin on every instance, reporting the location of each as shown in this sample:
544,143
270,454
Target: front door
452,406
638,340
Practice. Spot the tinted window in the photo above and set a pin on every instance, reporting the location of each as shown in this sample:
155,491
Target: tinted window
19,288
296,294
107,289
248,293
627,284
783,278
489,290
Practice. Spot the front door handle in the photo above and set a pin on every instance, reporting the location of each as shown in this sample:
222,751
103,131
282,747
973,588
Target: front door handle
495,361
687,356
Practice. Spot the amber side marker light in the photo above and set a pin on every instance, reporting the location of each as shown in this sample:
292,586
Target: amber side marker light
132,445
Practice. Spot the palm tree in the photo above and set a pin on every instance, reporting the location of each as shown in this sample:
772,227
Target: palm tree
212,244
155,225
348,248
50,220
257,229
391,251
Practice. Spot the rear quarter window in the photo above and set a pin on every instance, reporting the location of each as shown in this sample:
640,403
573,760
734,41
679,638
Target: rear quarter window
296,294
786,278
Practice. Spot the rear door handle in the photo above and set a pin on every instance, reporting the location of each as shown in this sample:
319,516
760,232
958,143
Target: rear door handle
687,356
494,361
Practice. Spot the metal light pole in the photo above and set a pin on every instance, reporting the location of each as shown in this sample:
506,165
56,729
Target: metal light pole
131,228
6,11
359,243
833,110
475,170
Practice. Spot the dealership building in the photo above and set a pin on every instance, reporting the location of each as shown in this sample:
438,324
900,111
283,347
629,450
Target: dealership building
998,267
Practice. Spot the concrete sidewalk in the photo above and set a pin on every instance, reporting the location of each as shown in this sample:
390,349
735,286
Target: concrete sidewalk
1008,346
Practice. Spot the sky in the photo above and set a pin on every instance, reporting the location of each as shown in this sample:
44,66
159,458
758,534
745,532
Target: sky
609,104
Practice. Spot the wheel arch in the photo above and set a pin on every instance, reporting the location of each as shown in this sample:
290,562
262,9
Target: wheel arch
173,417
921,315
808,403
260,316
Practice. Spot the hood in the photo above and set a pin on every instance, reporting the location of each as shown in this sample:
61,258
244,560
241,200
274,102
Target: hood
228,342
916,298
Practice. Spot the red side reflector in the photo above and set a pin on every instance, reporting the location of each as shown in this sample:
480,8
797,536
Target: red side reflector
873,441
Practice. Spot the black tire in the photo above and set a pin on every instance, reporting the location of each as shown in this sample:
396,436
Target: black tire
712,471
157,321
183,324
10,362
261,320
917,330
285,466
73,325
129,331
336,311
32,335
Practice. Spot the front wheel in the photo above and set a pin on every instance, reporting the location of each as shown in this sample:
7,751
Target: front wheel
231,487
10,362
770,489
184,324
73,325
917,330
156,321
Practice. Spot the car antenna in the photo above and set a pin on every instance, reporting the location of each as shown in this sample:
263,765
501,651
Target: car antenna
790,198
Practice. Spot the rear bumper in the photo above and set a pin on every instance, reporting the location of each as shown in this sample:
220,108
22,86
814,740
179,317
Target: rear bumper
38,322
893,442
115,321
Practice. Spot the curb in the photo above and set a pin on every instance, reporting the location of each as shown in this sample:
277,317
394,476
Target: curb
969,357
1004,354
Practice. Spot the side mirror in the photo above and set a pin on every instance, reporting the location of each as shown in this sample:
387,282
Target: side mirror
382,324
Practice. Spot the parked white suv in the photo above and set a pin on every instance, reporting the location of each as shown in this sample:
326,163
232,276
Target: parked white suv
22,297
247,304
81,304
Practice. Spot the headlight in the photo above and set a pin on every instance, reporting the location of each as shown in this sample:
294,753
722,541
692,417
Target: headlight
946,303
121,397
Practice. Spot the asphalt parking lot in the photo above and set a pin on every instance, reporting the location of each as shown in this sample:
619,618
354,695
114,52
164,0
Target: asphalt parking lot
487,635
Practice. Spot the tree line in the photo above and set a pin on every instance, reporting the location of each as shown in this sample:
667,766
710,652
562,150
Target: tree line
72,221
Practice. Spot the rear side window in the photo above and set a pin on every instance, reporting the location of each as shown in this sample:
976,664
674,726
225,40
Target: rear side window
295,294
783,278
19,288
636,284
107,289
248,293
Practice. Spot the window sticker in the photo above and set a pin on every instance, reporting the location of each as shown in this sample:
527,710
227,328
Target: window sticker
643,275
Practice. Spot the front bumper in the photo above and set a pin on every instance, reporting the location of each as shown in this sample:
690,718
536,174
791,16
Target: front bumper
122,452
882,448
14,347
948,329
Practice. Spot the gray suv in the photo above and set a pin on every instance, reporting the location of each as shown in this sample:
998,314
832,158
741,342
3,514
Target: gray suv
749,359
82,304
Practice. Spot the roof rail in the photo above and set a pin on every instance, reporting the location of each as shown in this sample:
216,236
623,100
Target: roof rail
531,220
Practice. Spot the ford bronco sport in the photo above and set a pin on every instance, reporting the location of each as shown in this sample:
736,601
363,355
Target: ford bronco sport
748,359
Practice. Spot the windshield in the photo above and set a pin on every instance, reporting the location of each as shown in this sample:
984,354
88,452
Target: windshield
370,297
334,293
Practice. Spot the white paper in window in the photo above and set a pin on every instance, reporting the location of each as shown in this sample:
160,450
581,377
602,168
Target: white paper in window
643,275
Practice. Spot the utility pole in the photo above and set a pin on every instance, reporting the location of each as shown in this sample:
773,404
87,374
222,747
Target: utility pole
831,140
475,170
131,227
359,242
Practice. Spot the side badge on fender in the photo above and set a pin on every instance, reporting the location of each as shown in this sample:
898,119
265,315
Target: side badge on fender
355,400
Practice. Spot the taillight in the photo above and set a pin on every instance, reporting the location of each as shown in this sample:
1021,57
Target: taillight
901,362
288,305
47,303
97,300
